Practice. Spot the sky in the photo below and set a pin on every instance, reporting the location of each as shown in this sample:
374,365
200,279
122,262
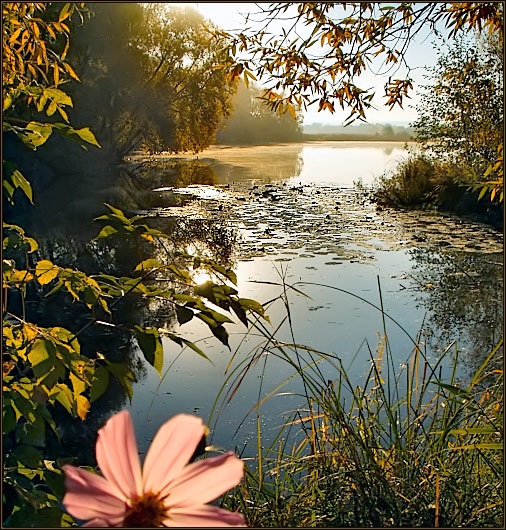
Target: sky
230,16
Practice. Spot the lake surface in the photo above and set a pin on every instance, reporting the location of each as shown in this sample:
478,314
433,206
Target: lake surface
292,215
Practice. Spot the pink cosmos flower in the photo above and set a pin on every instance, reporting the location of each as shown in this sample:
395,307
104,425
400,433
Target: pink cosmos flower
167,492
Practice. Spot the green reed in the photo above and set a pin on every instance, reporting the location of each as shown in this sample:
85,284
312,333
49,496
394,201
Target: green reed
404,448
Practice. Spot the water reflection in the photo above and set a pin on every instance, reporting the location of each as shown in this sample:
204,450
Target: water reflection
265,162
64,230
463,292
344,163
326,234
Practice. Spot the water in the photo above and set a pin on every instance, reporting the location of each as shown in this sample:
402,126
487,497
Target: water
294,216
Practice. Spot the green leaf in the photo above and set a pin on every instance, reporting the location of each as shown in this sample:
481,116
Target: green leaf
19,181
492,446
99,383
51,517
86,135
33,433
239,311
180,341
20,517
148,264
116,211
28,455
7,102
58,96
469,430
218,317
67,337
65,397
482,192
64,12
221,334
123,375
184,314
56,482
452,389
252,305
82,136
35,134
151,346
9,417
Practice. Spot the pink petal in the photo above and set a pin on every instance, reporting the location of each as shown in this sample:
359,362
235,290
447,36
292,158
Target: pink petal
101,523
204,481
90,496
204,516
171,449
117,456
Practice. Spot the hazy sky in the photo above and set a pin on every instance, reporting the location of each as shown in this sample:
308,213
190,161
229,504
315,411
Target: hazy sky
229,16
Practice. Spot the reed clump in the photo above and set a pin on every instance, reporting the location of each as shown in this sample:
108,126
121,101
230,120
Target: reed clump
419,180
405,449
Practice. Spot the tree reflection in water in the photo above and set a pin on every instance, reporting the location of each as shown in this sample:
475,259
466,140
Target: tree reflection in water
69,244
463,292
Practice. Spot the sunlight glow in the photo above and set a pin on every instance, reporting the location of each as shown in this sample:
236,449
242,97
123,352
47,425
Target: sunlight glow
200,277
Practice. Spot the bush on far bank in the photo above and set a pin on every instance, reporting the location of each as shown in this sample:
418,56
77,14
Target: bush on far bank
423,182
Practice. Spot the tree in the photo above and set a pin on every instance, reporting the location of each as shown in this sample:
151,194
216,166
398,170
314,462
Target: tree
461,112
48,379
252,122
149,70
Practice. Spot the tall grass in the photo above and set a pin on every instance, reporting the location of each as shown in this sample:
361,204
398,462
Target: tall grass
404,448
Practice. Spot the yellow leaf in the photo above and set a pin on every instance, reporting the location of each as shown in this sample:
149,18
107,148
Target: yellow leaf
56,74
36,30
64,13
71,71
83,405
77,384
20,276
51,32
63,114
66,49
45,271
15,35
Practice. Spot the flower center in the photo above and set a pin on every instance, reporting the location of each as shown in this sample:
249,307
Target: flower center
147,511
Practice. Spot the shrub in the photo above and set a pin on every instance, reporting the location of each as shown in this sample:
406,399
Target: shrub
418,180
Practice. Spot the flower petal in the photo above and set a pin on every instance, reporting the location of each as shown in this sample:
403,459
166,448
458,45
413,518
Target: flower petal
204,516
117,456
90,496
171,449
204,481
101,523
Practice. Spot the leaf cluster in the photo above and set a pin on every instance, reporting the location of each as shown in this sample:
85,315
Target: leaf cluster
325,46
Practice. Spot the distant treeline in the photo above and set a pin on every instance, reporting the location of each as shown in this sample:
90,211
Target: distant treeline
361,132
252,123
